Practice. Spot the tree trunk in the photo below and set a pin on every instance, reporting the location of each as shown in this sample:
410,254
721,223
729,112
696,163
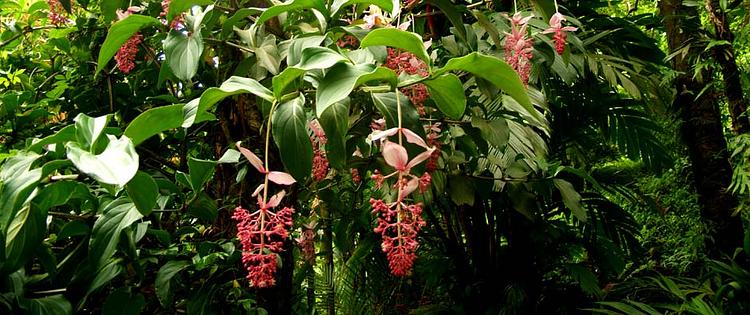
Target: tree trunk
724,56
702,133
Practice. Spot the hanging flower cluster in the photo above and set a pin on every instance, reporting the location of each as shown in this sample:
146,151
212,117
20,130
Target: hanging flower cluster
125,56
56,13
263,232
519,47
306,242
560,37
406,62
399,222
433,140
320,161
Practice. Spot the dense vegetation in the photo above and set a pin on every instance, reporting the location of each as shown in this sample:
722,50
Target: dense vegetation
374,157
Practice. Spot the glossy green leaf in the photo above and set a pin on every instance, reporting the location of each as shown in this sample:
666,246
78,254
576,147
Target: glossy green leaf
289,128
89,129
115,217
203,207
154,121
311,58
163,283
122,302
142,189
17,181
183,53
335,123
495,132
448,94
201,171
291,6
238,16
341,80
461,190
494,70
115,166
387,106
67,133
391,6
73,228
396,38
119,33
232,86
177,7
299,44
111,269
49,305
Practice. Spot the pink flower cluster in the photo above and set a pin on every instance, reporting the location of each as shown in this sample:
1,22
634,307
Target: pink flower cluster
348,41
519,47
560,37
406,62
320,161
306,242
56,13
433,140
263,232
177,22
125,56
399,222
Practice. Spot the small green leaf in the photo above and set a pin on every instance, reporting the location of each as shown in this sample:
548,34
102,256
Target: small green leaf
387,106
335,123
571,198
116,216
291,6
201,171
142,189
494,70
73,228
183,53
176,7
289,128
238,16
154,121
391,6
116,165
396,38
119,33
312,58
163,283
448,94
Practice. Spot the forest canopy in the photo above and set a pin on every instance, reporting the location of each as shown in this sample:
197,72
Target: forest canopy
374,157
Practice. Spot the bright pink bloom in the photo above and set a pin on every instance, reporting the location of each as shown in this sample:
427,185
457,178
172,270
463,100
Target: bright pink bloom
56,13
356,178
560,37
519,47
306,242
320,161
410,64
178,22
398,225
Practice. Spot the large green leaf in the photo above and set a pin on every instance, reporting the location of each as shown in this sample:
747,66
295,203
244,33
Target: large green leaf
119,33
393,37
495,132
290,134
116,165
183,53
67,133
88,129
388,107
311,58
154,121
163,283
201,172
392,6
238,16
17,182
203,207
494,70
176,7
335,123
232,86
453,13
291,6
571,198
122,302
49,305
342,78
448,94
116,216
108,271
142,189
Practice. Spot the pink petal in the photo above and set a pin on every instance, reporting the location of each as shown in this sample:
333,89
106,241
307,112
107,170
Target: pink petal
254,159
414,138
395,155
276,199
420,158
257,190
549,30
570,29
410,187
556,20
377,135
281,178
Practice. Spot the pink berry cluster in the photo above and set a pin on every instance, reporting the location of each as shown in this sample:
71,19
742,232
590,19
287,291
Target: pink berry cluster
433,140
519,47
560,37
348,41
320,161
263,232
406,62
125,56
306,242
399,222
262,235
56,13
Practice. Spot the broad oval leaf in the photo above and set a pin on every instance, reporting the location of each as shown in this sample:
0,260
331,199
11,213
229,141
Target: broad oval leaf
119,33
392,6
393,37
176,7
342,78
448,94
312,58
163,283
142,189
154,121
232,86
183,53
116,165
88,129
290,6
335,123
116,216
289,128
